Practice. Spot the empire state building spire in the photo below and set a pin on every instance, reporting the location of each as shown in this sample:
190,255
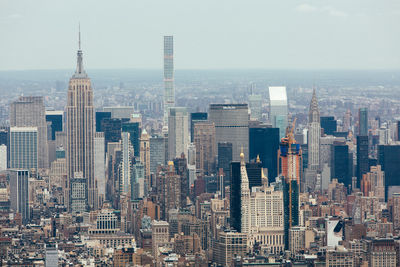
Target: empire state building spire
80,72
80,193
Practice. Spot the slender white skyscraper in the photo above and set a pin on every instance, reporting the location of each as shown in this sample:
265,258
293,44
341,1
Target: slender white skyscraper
99,166
178,132
278,112
80,132
314,134
169,92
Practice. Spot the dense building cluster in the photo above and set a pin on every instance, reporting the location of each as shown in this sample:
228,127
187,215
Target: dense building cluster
241,184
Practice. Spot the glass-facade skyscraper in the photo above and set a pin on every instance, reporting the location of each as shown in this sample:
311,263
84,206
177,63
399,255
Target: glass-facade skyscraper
278,108
24,148
231,125
363,122
264,142
329,124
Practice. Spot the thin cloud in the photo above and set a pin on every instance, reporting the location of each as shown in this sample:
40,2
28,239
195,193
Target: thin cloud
306,8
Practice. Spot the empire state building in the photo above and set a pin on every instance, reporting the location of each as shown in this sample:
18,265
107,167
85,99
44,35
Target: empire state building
80,187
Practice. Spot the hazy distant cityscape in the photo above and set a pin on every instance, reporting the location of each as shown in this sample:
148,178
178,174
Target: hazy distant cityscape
216,166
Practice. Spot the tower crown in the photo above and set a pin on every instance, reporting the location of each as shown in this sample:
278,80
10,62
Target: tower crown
313,115
80,72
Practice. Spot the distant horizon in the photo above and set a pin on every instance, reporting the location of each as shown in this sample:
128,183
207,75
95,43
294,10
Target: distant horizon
210,69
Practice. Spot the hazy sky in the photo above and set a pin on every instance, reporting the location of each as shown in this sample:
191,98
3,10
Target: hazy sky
208,34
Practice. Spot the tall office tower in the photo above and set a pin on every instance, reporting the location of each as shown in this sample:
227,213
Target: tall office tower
170,189
290,155
55,117
347,121
363,121
389,159
126,164
225,158
278,108
160,235
19,193
314,134
253,178
255,106
329,124
178,136
341,163
157,152
232,125
291,160
133,128
394,207
58,172
138,189
229,244
362,157
29,111
99,166
100,115
80,130
24,148
3,157
145,156
196,117
264,142
169,90
206,147
382,252
112,130
374,181
244,197
181,169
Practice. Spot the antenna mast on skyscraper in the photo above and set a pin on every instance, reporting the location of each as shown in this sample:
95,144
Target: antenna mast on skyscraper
79,35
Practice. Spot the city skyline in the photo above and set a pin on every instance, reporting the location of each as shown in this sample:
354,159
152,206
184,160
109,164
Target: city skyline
206,168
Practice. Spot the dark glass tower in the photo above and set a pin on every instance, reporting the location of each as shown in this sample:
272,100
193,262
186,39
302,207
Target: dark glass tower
254,175
329,125
56,119
389,159
196,117
340,163
134,135
100,115
225,158
363,121
290,206
362,157
264,142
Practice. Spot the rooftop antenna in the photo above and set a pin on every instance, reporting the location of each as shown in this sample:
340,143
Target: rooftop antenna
79,36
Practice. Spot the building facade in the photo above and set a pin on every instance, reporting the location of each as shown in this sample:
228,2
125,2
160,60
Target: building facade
80,130
231,125
24,148
178,132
